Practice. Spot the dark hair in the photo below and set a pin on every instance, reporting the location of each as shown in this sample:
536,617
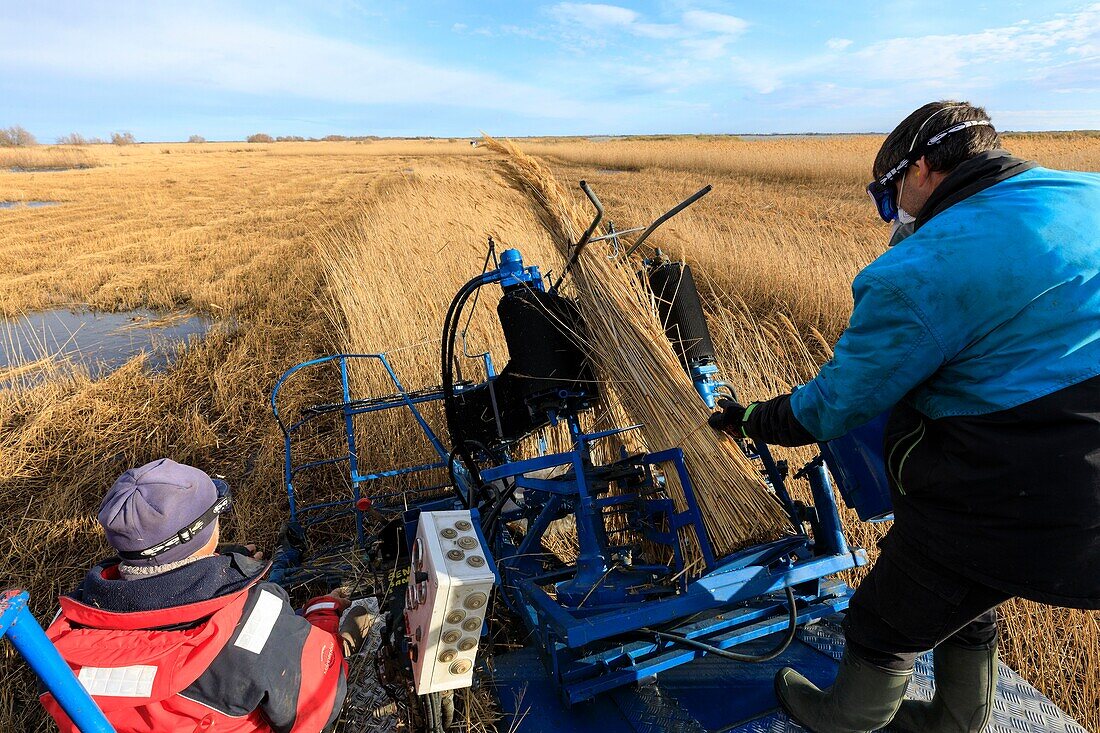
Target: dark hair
955,148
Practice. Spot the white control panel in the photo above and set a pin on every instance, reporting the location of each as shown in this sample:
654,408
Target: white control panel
450,581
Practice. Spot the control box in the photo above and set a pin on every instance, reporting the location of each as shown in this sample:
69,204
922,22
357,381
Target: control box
450,581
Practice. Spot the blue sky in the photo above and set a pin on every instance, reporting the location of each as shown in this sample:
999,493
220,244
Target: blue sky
227,69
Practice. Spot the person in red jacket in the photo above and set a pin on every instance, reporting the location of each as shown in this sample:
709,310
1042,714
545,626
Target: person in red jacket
175,636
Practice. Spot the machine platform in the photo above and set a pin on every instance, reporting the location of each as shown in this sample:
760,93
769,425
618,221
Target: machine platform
712,694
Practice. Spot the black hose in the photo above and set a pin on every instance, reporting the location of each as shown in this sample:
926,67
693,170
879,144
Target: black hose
491,521
435,717
467,500
450,332
450,328
792,627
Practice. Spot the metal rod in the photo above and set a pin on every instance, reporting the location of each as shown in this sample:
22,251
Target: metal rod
583,242
612,235
668,215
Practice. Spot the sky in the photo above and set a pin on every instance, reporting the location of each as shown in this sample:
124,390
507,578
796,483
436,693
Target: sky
224,70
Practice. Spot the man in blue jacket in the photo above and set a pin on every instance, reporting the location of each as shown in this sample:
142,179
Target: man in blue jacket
981,331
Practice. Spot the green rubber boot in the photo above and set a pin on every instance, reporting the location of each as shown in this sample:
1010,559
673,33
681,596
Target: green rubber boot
863,697
966,683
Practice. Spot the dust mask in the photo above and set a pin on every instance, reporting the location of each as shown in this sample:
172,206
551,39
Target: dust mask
904,217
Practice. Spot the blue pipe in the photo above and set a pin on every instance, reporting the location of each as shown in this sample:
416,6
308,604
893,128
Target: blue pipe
18,624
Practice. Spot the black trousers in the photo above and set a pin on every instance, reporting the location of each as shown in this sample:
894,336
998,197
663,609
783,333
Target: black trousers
909,604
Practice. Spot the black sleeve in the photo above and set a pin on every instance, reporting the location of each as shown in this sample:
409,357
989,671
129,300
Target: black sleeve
773,422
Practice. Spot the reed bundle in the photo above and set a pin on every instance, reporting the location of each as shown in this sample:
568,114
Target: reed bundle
637,366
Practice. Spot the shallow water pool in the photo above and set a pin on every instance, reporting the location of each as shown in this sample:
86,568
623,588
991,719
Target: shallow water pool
27,204
100,342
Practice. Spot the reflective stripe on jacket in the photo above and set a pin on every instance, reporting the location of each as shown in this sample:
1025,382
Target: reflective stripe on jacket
238,662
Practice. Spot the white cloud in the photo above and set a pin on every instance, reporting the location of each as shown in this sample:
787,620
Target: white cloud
210,49
593,16
704,20
706,48
656,30
1041,54
695,25
1026,43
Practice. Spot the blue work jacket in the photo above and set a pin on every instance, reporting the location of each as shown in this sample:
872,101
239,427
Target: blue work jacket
981,331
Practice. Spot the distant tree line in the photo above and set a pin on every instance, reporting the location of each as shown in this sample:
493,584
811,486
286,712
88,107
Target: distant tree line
117,138
16,137
75,138
263,137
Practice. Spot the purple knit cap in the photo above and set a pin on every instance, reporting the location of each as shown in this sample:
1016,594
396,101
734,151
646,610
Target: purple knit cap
156,502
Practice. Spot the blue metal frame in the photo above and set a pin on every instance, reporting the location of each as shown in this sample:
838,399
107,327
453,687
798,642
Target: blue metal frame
636,661
18,625
587,617
510,272
581,614
348,409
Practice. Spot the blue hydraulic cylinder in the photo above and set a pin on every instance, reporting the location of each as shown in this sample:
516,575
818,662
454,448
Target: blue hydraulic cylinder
829,535
18,625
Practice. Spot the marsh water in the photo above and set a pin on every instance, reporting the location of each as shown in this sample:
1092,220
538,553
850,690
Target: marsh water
100,342
28,204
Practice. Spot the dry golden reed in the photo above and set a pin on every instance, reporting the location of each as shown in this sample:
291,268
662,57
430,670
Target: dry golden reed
635,362
43,158
231,231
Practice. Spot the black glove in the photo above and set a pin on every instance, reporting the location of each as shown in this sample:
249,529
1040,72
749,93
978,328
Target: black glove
729,419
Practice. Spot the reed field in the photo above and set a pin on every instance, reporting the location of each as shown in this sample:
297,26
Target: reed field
43,158
300,249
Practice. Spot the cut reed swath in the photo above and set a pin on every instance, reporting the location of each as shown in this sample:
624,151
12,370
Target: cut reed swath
637,366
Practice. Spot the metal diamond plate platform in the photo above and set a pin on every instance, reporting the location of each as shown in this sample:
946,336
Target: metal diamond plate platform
714,695
1018,708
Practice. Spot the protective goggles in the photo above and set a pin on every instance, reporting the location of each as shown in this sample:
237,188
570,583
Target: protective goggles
884,191
221,505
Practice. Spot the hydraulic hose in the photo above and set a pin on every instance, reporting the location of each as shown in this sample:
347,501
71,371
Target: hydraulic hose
450,332
788,637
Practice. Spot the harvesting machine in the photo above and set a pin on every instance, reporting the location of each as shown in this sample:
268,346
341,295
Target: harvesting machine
626,633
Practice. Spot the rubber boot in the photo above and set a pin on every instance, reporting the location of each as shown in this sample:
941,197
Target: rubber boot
863,697
966,683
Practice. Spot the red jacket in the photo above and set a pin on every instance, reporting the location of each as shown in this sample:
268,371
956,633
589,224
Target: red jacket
232,657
